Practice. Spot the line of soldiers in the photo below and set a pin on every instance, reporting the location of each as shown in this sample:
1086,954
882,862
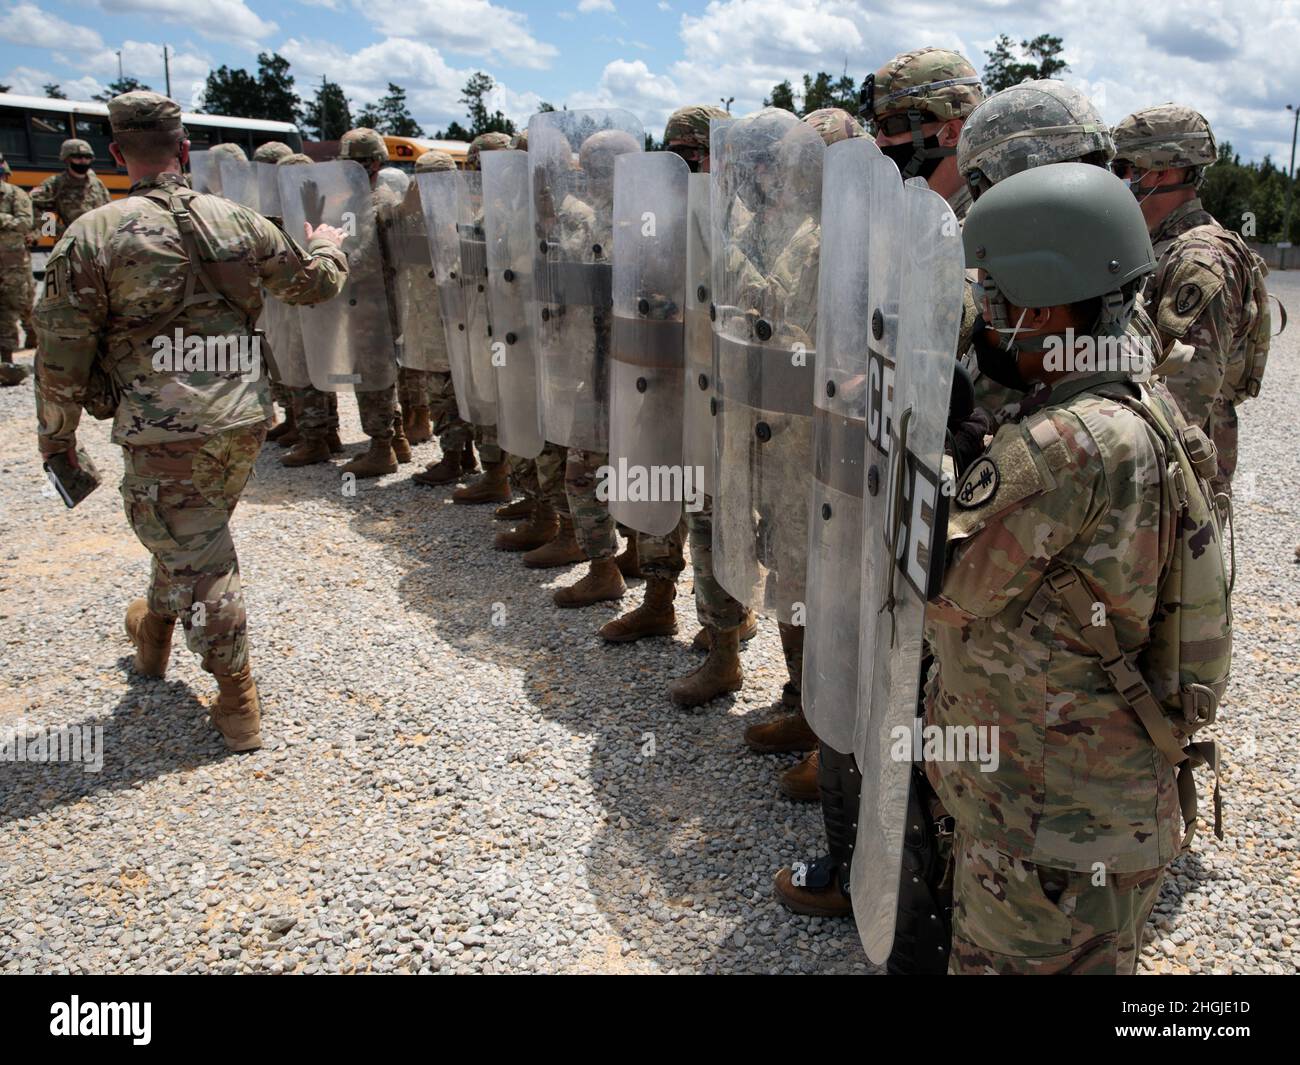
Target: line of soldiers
836,383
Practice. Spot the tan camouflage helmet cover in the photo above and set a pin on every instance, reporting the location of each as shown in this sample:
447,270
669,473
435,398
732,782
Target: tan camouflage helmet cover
364,145
433,161
519,141
940,84
69,148
129,112
597,153
690,125
232,150
834,124
1031,124
271,152
1166,137
296,159
485,142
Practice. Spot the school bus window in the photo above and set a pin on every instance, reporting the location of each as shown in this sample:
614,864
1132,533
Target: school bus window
97,132
49,131
201,137
13,134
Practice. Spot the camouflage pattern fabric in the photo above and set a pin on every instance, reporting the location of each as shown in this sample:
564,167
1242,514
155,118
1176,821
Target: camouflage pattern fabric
1075,482
179,496
234,151
317,412
452,433
792,651
690,125
938,83
551,464
1203,294
364,145
489,451
378,412
1167,137
662,556
1013,917
271,152
414,388
713,606
16,224
834,124
485,142
116,271
522,474
592,524
69,197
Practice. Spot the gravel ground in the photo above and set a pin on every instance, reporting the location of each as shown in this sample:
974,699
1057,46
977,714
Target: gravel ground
454,779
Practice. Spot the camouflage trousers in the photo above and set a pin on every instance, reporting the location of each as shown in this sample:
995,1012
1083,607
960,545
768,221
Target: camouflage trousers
662,556
179,497
1222,429
592,524
551,465
379,415
16,289
792,651
317,412
714,607
415,388
489,451
1012,917
453,434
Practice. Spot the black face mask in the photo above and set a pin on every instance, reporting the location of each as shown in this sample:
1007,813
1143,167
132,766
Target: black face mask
998,362
903,154
79,168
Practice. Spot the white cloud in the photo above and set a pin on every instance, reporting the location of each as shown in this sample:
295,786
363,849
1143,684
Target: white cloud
224,20
27,81
587,6
28,25
471,27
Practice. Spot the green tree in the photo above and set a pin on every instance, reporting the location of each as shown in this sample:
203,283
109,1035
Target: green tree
269,94
782,96
53,92
395,116
474,97
121,85
454,132
1008,65
327,117
279,102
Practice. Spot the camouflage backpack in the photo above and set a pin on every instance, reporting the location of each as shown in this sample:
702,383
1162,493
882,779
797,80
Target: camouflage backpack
1254,353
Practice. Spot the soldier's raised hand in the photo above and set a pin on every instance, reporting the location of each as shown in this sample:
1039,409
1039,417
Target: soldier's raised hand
331,233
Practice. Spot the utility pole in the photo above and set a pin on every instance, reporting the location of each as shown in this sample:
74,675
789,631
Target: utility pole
119,64
167,70
1290,174
727,101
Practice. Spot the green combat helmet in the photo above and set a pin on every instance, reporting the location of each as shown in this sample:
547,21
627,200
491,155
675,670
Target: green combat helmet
1057,235
1035,123
433,161
1168,137
927,85
364,145
271,152
834,124
69,148
485,142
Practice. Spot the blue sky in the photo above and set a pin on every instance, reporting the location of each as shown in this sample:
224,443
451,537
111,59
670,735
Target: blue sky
653,55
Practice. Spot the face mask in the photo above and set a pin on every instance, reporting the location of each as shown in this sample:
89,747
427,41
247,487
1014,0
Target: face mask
79,168
998,360
904,154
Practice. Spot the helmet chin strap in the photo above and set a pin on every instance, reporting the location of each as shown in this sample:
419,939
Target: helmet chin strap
920,153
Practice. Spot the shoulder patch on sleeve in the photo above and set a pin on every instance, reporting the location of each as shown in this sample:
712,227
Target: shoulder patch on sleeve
979,484
1010,472
1185,292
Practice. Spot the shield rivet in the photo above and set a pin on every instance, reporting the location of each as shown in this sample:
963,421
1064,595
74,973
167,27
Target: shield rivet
352,303
701,294
509,275
595,249
431,274
873,480
980,252
480,288
877,324
452,275
763,431
713,407
542,247
546,314
763,329
826,512
713,313
704,382
643,306
830,388
1114,266
460,326
641,385
511,338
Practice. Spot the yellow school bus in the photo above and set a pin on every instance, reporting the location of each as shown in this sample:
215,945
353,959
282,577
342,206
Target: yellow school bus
404,151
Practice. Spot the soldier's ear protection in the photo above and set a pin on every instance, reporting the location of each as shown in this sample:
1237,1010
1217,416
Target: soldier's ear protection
866,103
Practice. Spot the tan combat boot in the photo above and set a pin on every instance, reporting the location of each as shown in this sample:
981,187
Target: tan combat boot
520,509
401,446
602,583
375,462
541,528
152,636
335,444
719,674
492,487
420,430
748,630
782,732
629,562
286,428
306,452
561,550
800,782
237,713
10,372
444,471
654,617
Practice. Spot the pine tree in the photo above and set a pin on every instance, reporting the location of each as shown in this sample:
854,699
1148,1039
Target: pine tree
782,96
121,85
1006,67
53,92
327,117
395,116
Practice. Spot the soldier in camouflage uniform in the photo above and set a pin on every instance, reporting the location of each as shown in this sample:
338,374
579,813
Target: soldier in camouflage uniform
1062,844
1208,296
316,413
117,280
16,227
70,194
379,416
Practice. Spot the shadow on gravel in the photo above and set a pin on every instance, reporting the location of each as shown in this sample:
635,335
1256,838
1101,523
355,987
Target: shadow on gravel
157,727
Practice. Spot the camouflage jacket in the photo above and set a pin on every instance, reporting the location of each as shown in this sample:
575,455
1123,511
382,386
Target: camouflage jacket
1201,294
16,219
1074,481
120,269
69,198
418,321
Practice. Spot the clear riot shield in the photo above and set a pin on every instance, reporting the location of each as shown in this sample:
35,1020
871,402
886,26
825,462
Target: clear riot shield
913,328
571,160
452,203
697,413
283,328
859,246
348,339
268,193
420,343
648,346
204,174
510,298
238,182
767,176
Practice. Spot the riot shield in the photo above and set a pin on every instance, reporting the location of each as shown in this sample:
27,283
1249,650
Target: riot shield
510,298
913,344
452,203
767,176
268,192
648,345
697,413
238,180
348,339
204,174
571,161
420,341
283,328
857,236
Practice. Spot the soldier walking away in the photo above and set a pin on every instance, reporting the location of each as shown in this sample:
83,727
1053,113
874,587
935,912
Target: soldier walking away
167,259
